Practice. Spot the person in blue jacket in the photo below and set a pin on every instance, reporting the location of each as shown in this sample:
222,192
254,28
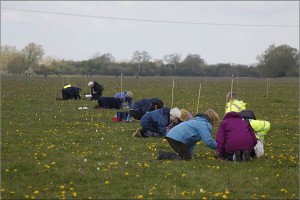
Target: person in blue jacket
142,106
127,96
184,137
154,123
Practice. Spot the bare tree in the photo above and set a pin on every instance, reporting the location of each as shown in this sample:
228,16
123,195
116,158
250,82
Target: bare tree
141,58
173,60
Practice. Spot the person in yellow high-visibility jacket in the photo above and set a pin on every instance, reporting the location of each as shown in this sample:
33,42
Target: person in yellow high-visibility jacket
67,86
260,127
233,104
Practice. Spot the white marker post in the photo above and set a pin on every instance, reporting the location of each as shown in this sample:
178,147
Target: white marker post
172,93
198,98
231,92
121,83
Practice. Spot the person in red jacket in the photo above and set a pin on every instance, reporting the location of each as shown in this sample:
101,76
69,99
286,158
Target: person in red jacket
235,138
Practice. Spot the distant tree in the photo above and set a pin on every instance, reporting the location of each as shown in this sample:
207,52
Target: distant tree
194,61
140,58
173,60
17,64
108,58
8,53
279,61
33,54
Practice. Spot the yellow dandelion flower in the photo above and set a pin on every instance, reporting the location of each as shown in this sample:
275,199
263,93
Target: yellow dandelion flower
26,196
224,196
62,187
106,182
74,194
204,198
2,190
263,196
12,192
283,190
226,192
140,196
183,175
150,193
7,170
71,188
36,192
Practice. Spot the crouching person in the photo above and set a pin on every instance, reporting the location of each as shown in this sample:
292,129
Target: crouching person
109,102
184,137
142,106
70,92
154,123
235,138
260,127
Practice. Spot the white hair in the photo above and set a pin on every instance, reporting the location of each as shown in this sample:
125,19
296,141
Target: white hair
175,112
129,94
91,83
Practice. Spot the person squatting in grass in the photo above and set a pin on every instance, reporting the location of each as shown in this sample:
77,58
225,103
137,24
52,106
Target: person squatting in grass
184,116
109,102
139,108
260,127
233,104
154,123
127,96
70,92
235,138
184,137
96,89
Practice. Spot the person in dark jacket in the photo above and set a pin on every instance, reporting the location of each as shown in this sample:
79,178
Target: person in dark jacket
139,108
70,92
109,102
235,138
96,89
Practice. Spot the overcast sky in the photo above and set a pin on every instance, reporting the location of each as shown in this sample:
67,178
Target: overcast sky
79,29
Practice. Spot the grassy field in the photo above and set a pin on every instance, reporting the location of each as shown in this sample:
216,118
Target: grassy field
53,150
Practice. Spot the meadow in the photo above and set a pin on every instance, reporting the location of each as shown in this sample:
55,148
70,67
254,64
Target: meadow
52,150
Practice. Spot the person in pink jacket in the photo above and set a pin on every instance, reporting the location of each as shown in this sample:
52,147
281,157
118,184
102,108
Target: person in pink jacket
235,138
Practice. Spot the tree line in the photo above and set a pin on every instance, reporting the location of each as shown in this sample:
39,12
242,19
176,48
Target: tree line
276,61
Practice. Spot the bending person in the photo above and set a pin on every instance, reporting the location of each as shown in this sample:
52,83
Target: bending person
184,137
127,96
233,104
139,108
96,89
70,92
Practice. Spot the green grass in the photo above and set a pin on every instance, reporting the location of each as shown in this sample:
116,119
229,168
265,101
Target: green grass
50,149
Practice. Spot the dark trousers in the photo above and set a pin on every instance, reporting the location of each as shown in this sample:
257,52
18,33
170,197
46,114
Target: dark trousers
180,148
109,102
136,114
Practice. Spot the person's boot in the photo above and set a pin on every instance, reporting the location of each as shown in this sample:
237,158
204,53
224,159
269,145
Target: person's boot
237,156
246,156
